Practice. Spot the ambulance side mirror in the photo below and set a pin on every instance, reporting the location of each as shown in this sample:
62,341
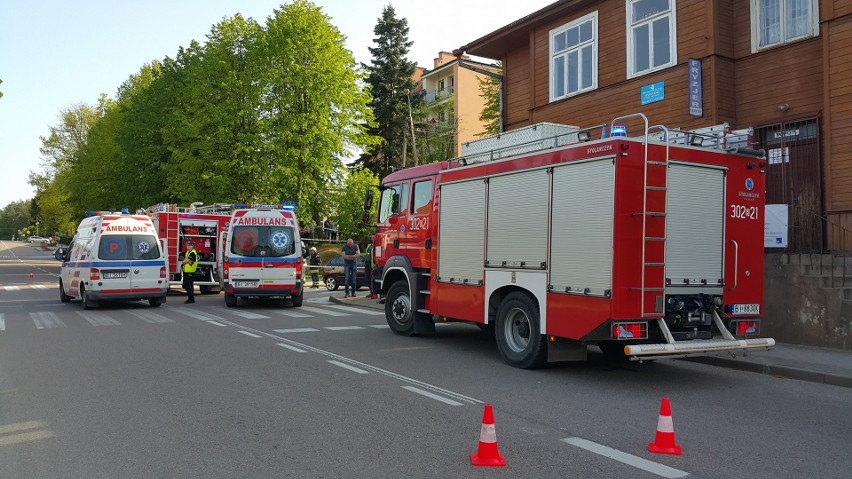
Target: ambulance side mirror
59,254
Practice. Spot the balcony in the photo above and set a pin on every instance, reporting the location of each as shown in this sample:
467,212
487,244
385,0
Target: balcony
438,95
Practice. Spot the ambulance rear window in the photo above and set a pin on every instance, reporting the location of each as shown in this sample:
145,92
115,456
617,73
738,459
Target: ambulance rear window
263,241
125,247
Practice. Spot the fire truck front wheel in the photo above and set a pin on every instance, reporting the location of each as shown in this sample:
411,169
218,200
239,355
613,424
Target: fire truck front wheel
518,332
398,309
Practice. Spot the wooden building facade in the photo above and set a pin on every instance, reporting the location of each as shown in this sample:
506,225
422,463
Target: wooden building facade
783,67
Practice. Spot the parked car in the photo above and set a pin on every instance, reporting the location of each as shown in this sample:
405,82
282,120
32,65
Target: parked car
36,240
332,274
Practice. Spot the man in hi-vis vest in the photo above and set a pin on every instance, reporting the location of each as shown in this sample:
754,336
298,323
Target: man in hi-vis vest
189,265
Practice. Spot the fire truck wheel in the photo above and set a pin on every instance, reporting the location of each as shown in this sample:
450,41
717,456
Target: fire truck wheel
62,296
230,300
87,301
398,309
518,332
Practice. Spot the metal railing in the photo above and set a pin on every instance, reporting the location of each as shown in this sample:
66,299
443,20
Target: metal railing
829,252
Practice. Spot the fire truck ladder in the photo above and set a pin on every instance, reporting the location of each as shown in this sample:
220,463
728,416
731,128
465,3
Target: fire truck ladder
654,194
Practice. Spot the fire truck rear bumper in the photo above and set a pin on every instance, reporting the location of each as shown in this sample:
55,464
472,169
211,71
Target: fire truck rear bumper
697,347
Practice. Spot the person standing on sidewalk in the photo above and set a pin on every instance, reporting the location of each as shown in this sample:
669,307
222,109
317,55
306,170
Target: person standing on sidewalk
314,262
350,253
188,267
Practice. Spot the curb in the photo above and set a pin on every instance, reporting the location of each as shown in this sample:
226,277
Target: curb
801,374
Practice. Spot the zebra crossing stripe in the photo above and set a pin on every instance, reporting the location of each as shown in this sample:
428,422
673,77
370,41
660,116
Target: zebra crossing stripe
378,326
249,334
291,348
342,328
323,311
2,322
39,286
290,313
197,314
356,310
296,330
150,316
11,288
46,320
247,314
98,319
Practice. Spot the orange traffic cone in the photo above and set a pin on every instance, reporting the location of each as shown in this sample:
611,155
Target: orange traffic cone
664,442
487,455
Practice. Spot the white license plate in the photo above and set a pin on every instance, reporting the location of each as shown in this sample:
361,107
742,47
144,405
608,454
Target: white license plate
114,275
245,284
745,309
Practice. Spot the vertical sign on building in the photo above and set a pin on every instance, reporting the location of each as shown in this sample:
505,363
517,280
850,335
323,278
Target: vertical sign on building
696,93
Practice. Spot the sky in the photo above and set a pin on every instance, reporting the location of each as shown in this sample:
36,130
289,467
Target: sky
55,54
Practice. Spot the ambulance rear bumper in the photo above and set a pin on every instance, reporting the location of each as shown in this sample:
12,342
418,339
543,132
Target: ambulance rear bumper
696,347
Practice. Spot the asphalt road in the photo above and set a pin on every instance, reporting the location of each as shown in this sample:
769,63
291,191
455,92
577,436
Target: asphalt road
327,390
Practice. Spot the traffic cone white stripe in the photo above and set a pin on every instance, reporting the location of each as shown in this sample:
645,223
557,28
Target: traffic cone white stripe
665,424
488,433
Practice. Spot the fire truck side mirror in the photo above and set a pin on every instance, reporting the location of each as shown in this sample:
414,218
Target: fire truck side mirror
368,200
365,217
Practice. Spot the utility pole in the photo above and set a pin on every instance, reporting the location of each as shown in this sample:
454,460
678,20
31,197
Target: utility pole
411,122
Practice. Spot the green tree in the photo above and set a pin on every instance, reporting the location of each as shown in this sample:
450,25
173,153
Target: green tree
391,83
489,90
1,93
349,199
315,111
15,217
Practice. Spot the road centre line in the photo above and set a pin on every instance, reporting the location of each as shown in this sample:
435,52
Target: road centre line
625,458
433,396
346,366
291,348
249,334
361,365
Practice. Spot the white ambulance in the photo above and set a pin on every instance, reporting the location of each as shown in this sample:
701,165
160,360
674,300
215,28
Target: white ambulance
113,256
261,255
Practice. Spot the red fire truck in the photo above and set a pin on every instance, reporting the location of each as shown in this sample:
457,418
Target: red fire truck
648,247
203,224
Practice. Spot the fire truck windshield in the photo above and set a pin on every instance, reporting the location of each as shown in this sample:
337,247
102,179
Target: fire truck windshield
263,241
394,199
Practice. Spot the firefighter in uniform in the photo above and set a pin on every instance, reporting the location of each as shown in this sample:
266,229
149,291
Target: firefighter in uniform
189,265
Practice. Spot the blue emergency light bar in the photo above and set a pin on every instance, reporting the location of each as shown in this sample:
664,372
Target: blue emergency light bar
618,130
273,207
124,211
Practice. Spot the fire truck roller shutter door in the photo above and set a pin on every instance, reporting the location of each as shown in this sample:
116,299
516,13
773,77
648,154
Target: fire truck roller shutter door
461,232
517,220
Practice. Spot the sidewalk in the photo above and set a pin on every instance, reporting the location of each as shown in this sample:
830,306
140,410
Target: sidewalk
805,363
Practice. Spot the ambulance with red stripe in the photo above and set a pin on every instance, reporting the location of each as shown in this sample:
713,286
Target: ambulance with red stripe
262,255
113,256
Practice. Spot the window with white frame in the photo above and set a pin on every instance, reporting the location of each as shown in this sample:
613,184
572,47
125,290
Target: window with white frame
651,36
574,57
775,22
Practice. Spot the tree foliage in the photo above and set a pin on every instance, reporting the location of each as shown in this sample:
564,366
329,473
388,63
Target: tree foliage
391,83
258,113
490,116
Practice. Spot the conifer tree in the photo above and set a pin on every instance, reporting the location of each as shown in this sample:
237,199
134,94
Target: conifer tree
390,79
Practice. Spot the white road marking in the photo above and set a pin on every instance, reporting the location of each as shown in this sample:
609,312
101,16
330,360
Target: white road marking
433,396
2,322
342,328
378,326
217,323
292,313
39,286
197,314
371,312
323,311
296,330
46,320
11,288
246,314
625,458
98,319
351,368
291,348
150,316
361,365
249,334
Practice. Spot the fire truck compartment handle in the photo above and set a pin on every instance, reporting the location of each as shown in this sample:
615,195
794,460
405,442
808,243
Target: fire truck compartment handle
736,264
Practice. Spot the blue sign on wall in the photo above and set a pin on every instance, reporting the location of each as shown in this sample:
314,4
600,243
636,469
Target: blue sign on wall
696,91
653,92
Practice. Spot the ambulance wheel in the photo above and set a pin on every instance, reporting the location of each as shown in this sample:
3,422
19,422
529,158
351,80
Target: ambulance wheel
331,283
87,301
62,296
518,332
230,300
155,302
297,300
398,312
